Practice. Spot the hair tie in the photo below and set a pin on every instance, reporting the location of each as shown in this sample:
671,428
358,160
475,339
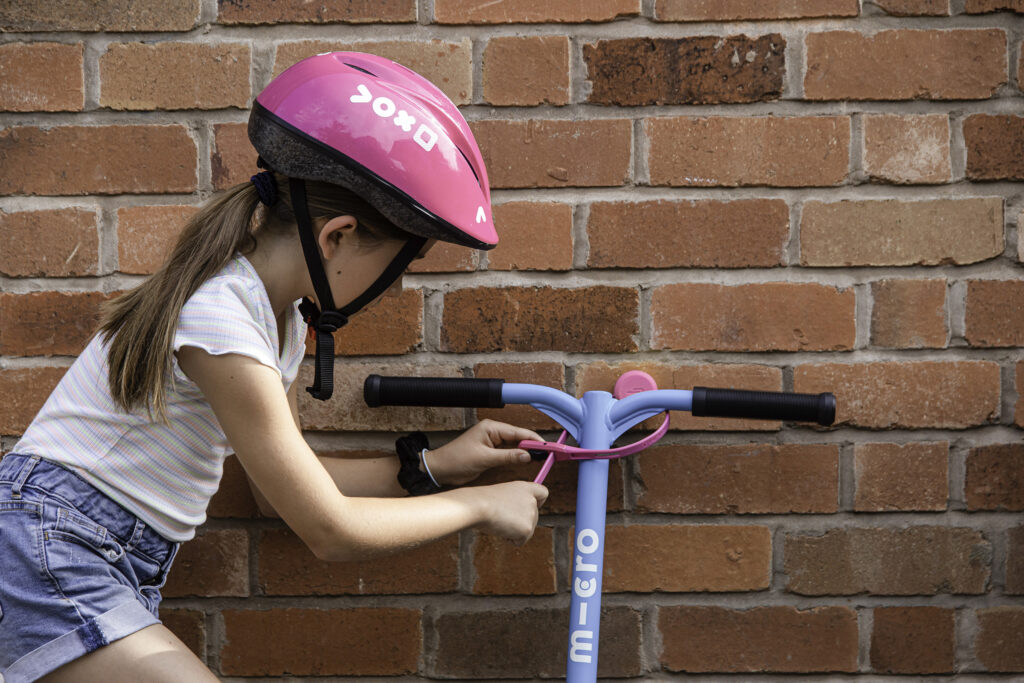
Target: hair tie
266,187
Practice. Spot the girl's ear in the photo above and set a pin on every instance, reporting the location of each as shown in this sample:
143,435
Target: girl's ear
333,232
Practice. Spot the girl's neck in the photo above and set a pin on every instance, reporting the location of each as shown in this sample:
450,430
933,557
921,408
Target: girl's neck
282,268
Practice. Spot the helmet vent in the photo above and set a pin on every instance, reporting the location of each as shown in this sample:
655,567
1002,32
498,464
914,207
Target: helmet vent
470,164
359,68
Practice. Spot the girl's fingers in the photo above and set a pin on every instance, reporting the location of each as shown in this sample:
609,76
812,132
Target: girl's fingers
500,432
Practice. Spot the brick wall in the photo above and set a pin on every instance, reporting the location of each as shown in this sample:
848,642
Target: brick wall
805,195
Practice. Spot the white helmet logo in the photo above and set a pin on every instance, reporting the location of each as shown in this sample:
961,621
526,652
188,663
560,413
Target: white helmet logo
480,215
385,108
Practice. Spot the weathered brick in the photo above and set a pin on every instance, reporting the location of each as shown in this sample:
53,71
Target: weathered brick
907,149
323,12
533,563
731,151
763,639
1015,561
709,317
913,640
532,11
692,70
99,15
321,642
907,394
146,236
67,160
552,153
232,156
41,77
704,233
995,313
446,64
995,477
985,6
739,479
909,314
48,323
962,64
189,625
534,236
234,496
546,374
995,146
893,476
26,390
140,76
393,326
49,243
741,10
526,71
999,644
445,257
215,563
917,560
288,567
891,232
677,558
600,376
914,8
1018,412
588,319
466,647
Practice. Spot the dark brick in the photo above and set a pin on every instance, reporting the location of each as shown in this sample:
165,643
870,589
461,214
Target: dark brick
995,146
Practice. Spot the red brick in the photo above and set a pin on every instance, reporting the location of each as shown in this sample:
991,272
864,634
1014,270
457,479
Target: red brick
995,313
348,391
215,563
26,390
741,479
985,6
99,15
909,314
393,326
445,257
66,160
907,149
708,317
189,625
1018,413
41,77
591,319
962,64
502,568
534,236
913,640
232,157
917,560
687,559
1015,561
691,70
995,477
288,567
914,8
234,496
547,374
48,323
526,71
448,65
763,639
891,232
999,644
350,641
532,643
49,243
531,11
140,76
893,476
555,153
146,236
601,376
995,146
732,151
705,233
741,10
907,394
323,12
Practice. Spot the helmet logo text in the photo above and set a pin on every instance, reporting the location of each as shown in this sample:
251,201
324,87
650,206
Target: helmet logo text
385,108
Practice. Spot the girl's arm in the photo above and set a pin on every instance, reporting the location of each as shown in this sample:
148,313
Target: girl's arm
254,412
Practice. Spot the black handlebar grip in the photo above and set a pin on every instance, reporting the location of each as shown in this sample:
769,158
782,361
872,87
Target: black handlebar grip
450,392
764,405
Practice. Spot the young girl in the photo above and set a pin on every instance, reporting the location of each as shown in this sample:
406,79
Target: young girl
371,165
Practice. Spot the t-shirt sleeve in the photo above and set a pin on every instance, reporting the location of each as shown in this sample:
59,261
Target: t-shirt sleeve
223,317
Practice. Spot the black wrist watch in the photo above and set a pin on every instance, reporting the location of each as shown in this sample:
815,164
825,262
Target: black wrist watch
410,477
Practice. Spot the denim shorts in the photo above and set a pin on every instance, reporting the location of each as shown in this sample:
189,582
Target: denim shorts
77,571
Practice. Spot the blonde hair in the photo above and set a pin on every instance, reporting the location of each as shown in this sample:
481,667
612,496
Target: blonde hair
140,323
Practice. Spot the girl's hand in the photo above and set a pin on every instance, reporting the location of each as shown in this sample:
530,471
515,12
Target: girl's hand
478,449
512,509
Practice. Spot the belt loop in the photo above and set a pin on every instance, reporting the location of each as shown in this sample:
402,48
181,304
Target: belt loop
26,470
140,528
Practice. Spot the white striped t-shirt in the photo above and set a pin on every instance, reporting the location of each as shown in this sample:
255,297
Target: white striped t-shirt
165,474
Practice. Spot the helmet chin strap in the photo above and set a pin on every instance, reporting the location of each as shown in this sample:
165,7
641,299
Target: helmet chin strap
326,319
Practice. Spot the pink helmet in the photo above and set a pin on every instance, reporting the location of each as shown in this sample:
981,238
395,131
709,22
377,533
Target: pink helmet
383,131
